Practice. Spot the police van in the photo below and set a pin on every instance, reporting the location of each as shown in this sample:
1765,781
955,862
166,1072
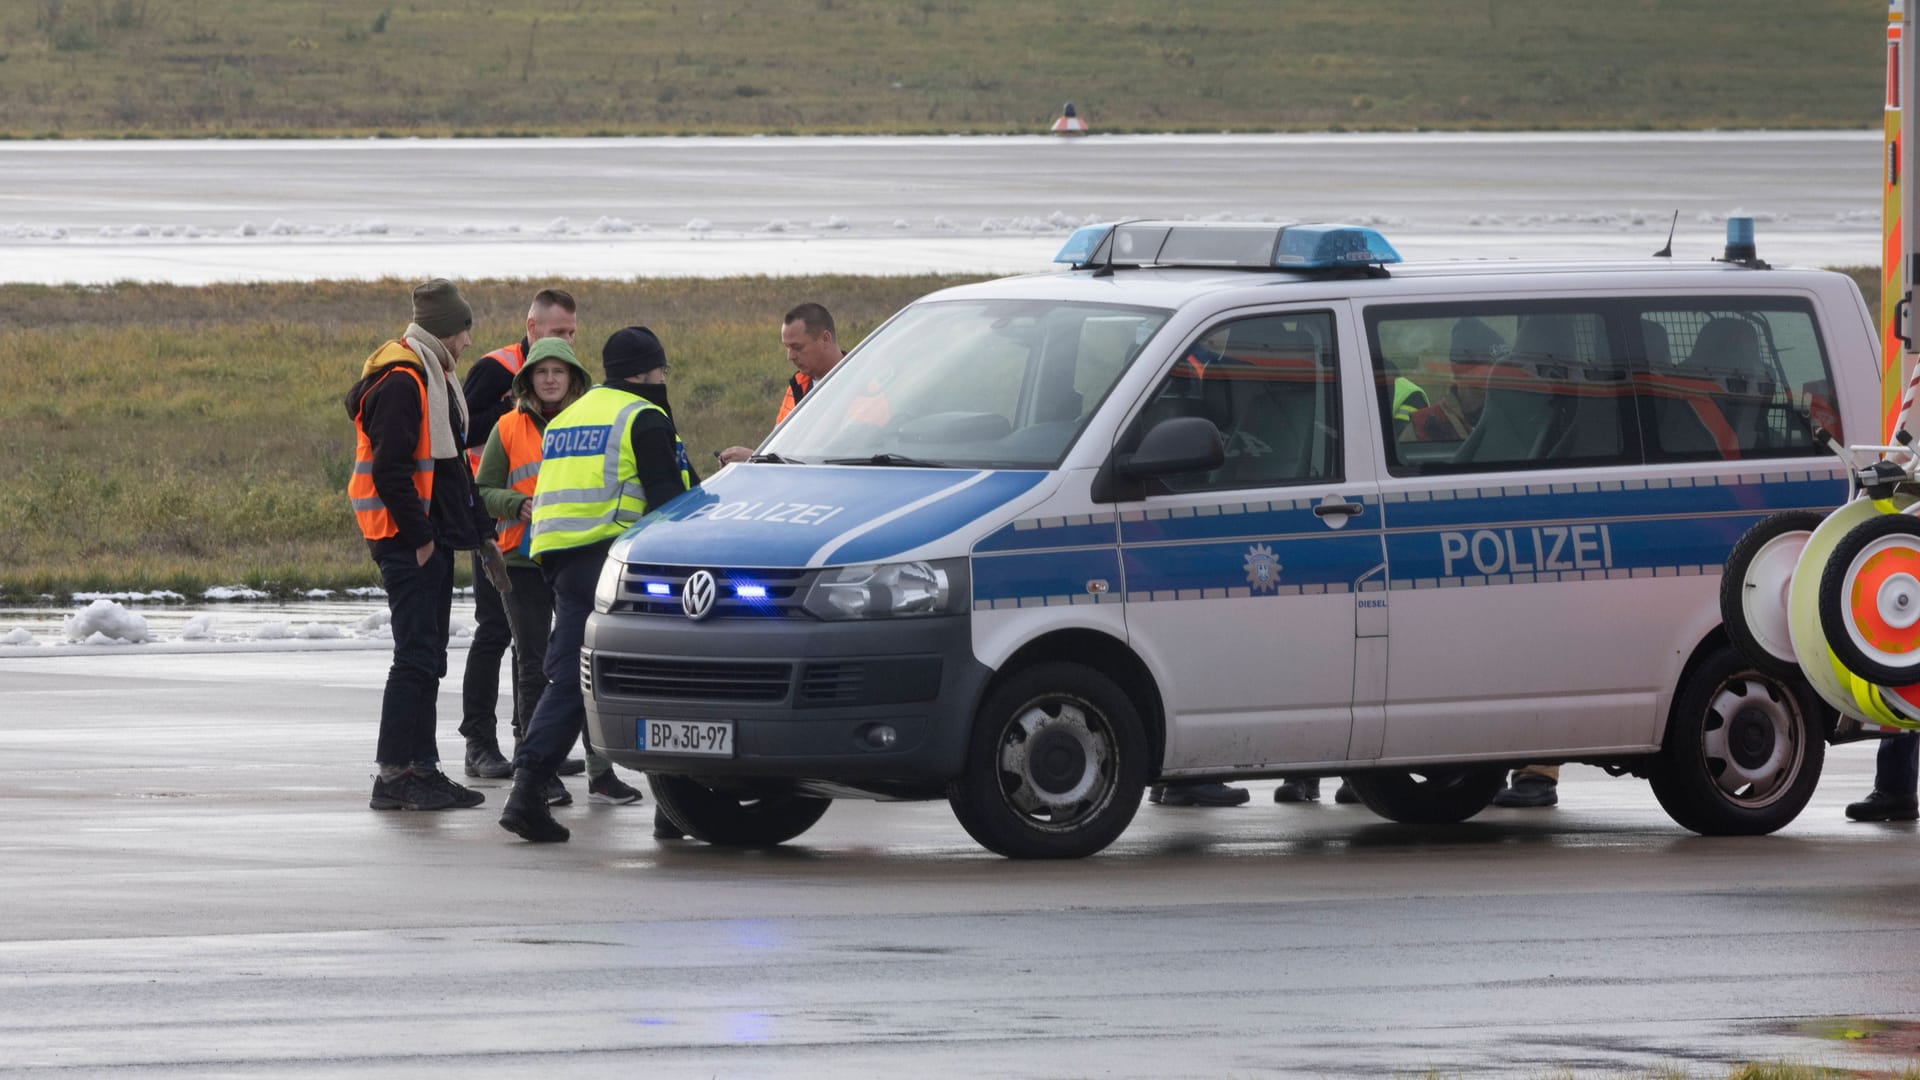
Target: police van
1224,502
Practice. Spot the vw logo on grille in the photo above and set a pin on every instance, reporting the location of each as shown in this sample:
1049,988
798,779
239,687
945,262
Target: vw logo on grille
697,598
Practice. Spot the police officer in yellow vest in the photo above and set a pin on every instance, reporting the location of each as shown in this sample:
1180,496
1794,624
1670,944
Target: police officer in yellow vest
607,459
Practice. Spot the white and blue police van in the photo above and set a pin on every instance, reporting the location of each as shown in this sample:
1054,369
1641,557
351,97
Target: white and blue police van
1224,502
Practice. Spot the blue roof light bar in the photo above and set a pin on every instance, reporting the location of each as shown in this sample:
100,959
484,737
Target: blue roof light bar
1228,245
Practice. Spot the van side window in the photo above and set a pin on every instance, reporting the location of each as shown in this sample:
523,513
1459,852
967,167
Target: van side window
1511,386
1271,385
1733,378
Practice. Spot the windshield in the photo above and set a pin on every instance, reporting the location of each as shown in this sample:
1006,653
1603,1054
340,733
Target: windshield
973,383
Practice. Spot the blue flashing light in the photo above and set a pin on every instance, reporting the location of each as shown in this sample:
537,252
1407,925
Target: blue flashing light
659,588
750,592
1079,248
1328,247
1740,239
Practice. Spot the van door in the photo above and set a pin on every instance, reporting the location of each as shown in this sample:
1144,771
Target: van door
1241,581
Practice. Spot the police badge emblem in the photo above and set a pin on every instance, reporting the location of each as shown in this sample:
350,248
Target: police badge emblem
1263,570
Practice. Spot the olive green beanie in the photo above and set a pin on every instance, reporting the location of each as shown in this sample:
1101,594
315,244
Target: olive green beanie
439,310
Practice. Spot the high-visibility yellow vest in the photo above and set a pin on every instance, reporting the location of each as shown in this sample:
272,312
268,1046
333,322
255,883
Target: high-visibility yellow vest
589,488
1405,393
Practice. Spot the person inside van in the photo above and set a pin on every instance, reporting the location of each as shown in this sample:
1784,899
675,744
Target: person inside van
1474,346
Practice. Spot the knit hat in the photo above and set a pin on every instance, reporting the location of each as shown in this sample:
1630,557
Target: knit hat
632,351
439,310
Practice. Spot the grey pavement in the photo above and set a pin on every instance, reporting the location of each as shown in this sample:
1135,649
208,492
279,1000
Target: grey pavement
193,885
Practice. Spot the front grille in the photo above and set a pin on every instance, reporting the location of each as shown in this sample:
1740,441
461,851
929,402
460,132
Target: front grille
692,680
832,684
786,591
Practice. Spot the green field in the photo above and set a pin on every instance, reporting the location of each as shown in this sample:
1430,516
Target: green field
263,67
179,438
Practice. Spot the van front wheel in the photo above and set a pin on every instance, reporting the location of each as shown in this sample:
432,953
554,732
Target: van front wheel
1439,796
1055,765
1743,752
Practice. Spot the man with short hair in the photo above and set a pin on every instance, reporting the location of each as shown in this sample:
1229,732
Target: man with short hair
607,460
489,394
808,335
413,499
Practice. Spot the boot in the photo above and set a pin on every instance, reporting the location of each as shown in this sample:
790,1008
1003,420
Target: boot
526,814
484,760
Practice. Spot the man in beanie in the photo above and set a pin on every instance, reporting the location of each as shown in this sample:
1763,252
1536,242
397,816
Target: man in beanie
580,506
414,501
489,388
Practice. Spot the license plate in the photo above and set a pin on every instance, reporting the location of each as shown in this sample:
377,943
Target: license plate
701,738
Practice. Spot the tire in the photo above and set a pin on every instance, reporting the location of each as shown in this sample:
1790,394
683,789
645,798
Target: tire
1055,765
1753,590
1440,796
762,814
1870,600
1743,751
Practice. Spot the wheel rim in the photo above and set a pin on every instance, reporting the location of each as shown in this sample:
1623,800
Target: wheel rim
1883,601
1057,764
1763,593
1752,740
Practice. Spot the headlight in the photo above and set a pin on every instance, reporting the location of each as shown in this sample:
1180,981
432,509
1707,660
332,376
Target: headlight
607,589
890,589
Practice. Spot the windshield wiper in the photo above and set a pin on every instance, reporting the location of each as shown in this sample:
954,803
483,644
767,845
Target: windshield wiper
888,459
773,459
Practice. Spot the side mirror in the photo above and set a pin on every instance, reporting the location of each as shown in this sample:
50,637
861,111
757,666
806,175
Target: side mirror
1181,444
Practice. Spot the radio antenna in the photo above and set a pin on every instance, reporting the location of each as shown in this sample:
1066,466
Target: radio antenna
1667,252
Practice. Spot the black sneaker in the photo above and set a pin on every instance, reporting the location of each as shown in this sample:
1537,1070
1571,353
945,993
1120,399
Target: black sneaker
484,761
1215,794
464,798
557,793
1307,790
1880,806
572,767
1345,794
1529,790
609,790
408,792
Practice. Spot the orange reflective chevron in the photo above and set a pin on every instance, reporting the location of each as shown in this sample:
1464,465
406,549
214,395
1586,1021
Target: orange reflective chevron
376,523
520,439
509,357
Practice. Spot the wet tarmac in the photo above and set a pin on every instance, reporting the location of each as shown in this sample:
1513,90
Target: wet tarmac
194,885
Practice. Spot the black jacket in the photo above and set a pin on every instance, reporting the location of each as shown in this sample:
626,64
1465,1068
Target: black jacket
489,391
389,412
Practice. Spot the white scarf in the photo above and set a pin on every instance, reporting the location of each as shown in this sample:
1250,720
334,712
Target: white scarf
439,364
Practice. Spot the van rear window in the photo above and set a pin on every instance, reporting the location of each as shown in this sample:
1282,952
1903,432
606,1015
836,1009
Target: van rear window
1554,384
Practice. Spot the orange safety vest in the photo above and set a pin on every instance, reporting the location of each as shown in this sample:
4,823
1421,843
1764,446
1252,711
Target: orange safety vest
376,523
797,388
509,357
520,438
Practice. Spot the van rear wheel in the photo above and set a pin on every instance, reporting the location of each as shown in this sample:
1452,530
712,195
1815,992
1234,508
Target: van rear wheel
1744,749
1055,765
1439,796
761,813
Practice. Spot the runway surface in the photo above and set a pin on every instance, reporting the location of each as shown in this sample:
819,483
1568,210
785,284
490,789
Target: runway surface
194,885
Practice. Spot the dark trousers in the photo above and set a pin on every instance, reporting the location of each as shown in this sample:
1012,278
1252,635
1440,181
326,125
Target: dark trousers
1896,768
421,600
561,716
480,687
530,613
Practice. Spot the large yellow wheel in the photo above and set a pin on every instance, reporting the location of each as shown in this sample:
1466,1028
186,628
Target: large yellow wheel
1837,686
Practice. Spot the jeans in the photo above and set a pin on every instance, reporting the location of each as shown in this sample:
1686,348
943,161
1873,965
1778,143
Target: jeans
480,687
421,600
1896,768
530,610
561,716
